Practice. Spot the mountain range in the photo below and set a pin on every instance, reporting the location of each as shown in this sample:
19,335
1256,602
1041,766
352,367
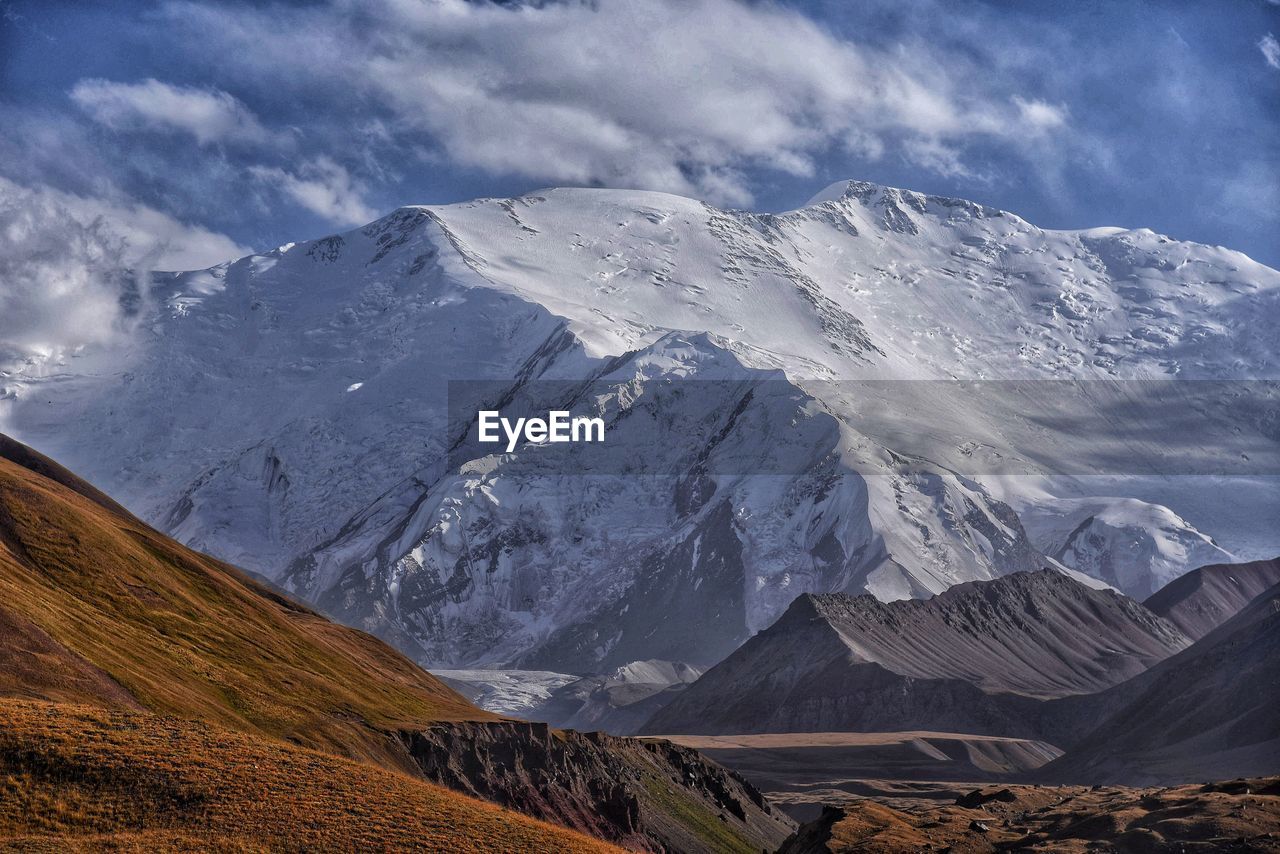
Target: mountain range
762,376
976,658
1120,689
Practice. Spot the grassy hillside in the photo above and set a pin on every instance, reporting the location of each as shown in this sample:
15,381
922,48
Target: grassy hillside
97,607
97,610
85,778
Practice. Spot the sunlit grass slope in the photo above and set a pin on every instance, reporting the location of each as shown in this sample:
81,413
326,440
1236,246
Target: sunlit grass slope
85,778
96,607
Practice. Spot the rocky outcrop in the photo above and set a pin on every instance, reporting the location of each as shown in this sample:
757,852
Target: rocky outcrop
814,837
646,795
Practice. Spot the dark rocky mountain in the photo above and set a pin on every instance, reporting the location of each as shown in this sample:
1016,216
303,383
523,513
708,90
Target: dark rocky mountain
1205,598
978,658
1210,712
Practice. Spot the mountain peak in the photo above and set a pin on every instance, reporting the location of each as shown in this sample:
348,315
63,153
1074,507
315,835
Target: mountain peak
850,188
872,195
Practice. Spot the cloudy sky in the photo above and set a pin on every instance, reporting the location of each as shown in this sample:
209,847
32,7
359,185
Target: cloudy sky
180,133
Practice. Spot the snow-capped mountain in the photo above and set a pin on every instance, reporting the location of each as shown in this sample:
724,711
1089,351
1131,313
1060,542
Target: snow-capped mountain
290,411
1132,545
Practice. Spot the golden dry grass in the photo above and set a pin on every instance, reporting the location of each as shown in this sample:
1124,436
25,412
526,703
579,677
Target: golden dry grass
97,607
85,778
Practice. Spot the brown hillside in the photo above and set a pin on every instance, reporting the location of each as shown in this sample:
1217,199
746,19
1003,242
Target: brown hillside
37,463
84,778
97,607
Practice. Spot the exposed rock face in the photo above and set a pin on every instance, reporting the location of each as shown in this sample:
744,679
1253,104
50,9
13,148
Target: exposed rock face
814,837
1205,598
1209,712
977,658
649,795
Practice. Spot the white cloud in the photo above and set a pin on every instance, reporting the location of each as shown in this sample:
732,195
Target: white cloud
151,237
70,267
210,115
937,157
1270,50
323,187
1040,115
678,95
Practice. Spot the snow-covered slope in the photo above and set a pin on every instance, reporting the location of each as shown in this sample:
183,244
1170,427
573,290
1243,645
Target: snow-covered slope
291,411
1135,546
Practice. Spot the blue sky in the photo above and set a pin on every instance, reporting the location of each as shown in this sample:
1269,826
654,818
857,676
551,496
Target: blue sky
175,133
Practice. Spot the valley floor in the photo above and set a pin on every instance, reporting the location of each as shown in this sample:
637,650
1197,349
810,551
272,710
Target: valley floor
930,791
1238,816
803,771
